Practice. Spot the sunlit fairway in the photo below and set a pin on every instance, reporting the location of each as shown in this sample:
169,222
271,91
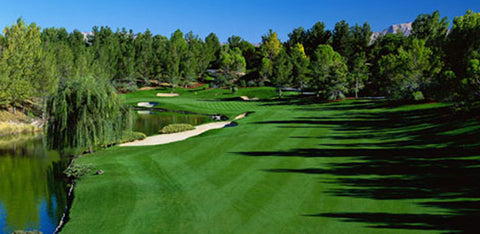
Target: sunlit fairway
290,167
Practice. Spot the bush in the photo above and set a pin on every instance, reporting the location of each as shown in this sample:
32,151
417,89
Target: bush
243,83
172,128
251,83
132,136
77,170
261,84
417,96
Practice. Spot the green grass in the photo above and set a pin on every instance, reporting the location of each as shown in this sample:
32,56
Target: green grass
344,167
209,101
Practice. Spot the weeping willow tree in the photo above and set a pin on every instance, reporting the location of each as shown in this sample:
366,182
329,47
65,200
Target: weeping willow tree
85,112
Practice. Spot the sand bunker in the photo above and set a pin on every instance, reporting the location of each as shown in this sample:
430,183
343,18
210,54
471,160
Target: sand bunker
167,94
147,104
180,136
246,98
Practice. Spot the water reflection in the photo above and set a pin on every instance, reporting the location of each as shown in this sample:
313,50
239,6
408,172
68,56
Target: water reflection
150,122
32,187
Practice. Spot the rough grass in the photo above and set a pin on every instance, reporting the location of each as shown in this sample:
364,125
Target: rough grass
7,128
343,167
15,123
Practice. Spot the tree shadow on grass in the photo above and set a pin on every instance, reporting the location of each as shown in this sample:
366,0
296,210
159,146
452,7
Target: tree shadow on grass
452,223
429,154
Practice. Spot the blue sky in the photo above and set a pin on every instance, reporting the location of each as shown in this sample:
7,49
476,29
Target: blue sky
249,19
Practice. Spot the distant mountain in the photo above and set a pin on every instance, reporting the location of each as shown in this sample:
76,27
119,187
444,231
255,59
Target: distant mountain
405,28
86,34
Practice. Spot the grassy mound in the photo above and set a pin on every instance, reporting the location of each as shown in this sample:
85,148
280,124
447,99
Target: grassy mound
173,128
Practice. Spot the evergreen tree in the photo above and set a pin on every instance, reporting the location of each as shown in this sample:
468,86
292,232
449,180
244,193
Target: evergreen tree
359,73
176,50
463,51
20,63
409,68
212,50
232,65
342,39
270,48
282,70
329,73
316,36
144,54
300,63
297,36
126,60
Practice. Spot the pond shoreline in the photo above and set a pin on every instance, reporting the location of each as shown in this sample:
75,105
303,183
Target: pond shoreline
161,139
70,195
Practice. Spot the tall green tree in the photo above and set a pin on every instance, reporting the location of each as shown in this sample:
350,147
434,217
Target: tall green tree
176,49
300,63
342,39
315,36
232,65
463,50
383,47
359,73
282,71
270,48
195,64
361,39
126,64
249,51
160,48
85,112
297,36
106,49
409,68
212,50
19,63
432,29
329,73
144,54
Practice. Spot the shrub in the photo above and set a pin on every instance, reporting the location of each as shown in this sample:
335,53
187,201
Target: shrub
132,136
243,83
251,83
172,128
77,170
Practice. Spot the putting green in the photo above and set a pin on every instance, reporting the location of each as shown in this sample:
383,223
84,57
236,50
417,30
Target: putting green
290,167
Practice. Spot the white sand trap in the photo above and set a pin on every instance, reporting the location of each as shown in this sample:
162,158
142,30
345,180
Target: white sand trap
167,94
246,98
180,136
147,104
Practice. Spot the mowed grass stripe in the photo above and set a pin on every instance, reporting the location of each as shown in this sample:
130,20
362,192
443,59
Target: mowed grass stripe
318,168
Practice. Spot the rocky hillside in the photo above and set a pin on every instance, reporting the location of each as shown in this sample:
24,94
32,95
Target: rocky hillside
405,28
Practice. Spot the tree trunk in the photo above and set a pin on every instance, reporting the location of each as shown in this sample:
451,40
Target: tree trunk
90,148
356,88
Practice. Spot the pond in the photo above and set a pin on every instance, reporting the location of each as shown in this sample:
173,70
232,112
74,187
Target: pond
32,185
150,122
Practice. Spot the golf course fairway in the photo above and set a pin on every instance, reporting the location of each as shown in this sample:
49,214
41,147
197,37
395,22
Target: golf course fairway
353,166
